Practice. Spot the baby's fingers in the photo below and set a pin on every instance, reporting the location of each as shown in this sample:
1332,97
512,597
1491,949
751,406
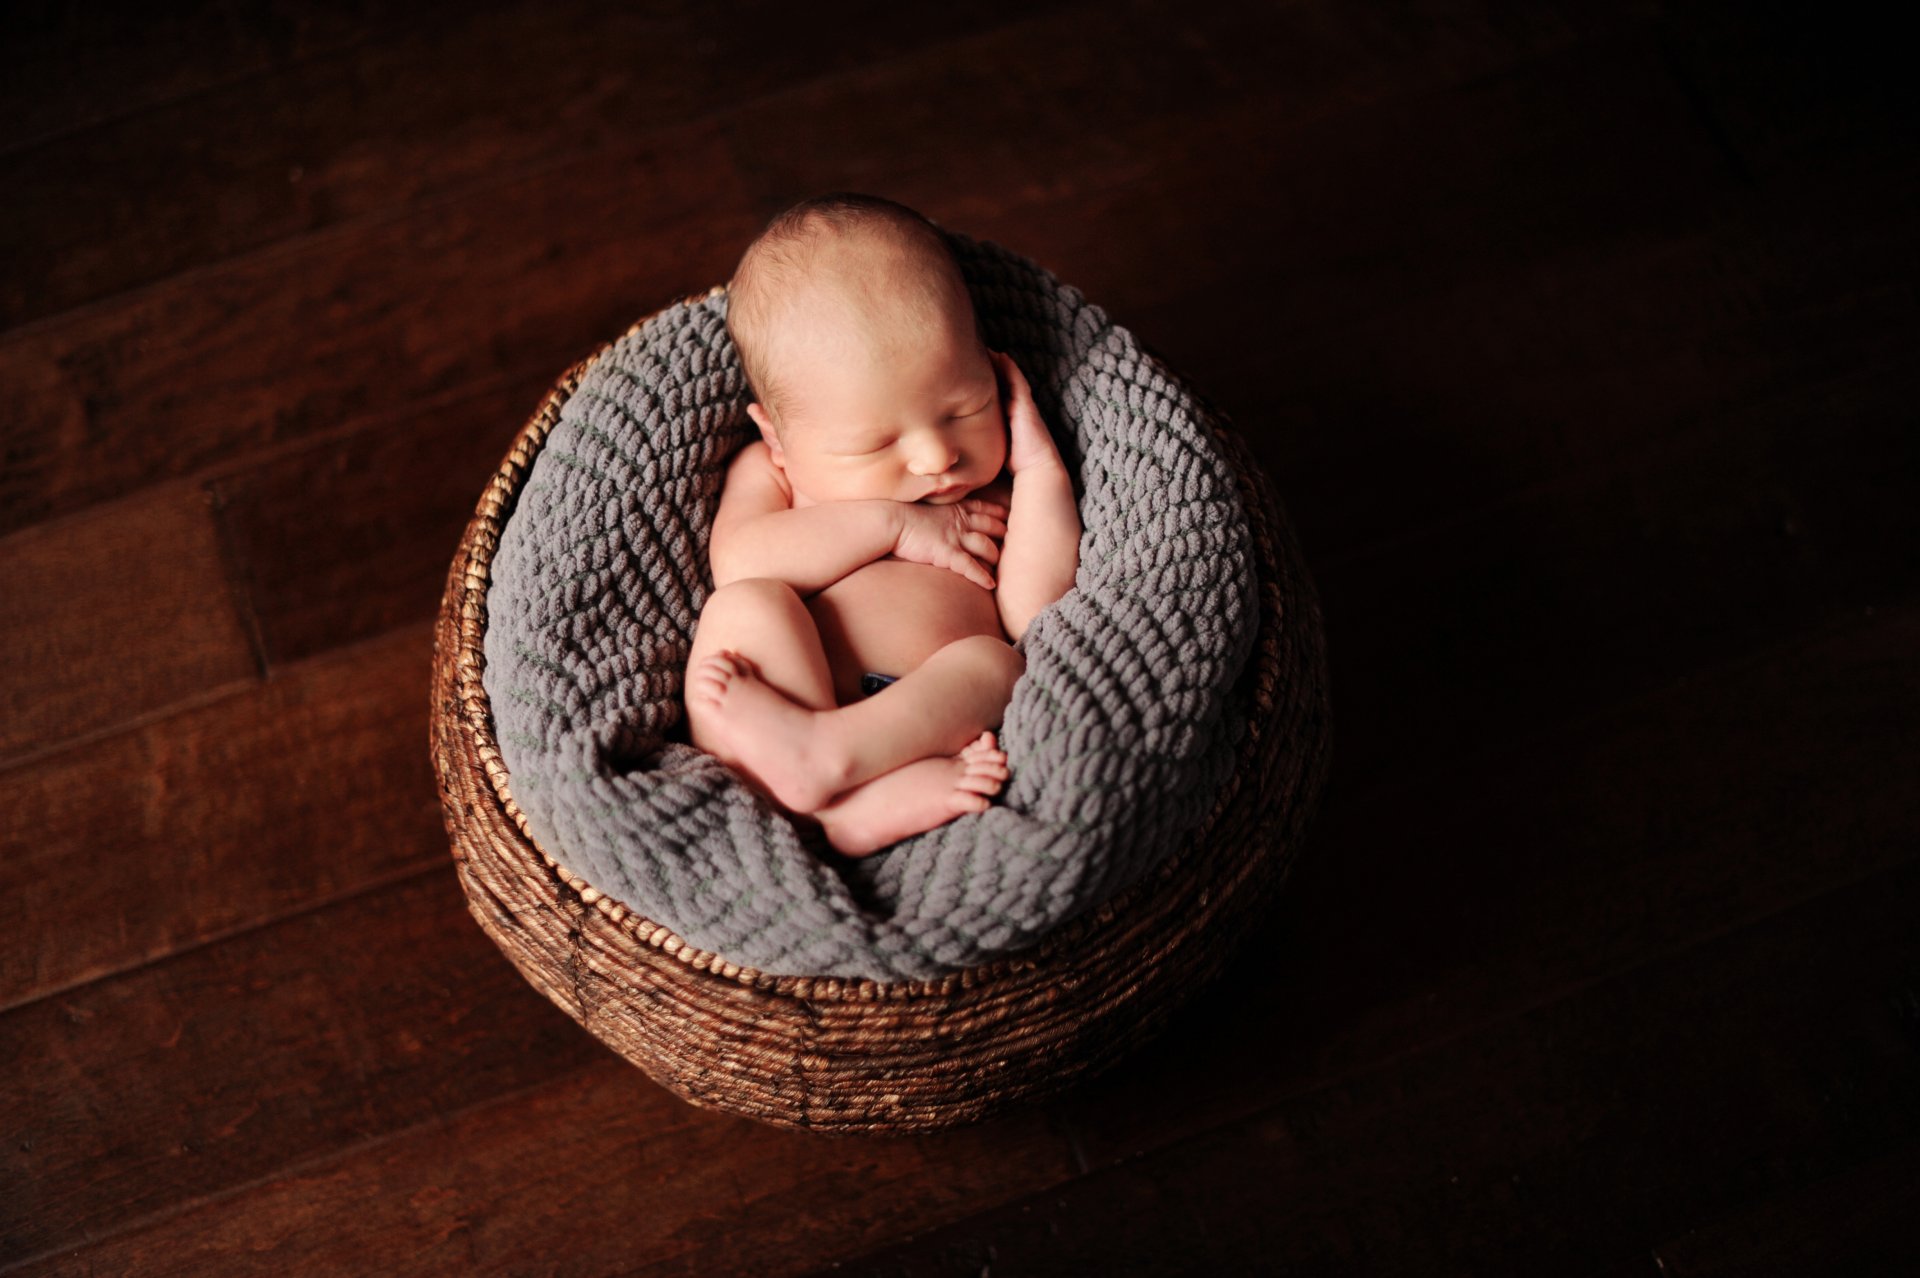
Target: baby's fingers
1010,374
981,545
995,525
972,570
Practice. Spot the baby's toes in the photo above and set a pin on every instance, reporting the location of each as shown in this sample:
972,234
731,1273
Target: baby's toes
978,781
710,678
988,762
984,757
962,802
984,743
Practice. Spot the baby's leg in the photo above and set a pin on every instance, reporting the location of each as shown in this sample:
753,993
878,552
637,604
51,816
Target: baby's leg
807,755
765,621
914,798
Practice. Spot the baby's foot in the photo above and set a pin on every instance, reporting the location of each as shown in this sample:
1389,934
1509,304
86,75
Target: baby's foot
915,798
758,730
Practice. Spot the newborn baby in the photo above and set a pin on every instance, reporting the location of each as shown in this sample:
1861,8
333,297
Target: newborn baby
903,516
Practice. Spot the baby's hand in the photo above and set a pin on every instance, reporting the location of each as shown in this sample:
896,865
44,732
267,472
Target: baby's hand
956,537
1028,442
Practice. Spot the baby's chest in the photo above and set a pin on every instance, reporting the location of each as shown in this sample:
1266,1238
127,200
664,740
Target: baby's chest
889,616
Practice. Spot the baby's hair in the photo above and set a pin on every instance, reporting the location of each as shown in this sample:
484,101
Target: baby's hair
786,247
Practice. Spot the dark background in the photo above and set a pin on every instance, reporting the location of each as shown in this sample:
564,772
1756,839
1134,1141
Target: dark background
1578,339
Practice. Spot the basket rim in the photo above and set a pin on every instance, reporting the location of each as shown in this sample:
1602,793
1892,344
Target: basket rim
466,598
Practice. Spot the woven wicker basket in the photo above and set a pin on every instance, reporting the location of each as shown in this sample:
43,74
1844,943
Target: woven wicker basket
862,1056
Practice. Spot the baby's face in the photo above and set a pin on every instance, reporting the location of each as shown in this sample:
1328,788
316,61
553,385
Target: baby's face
921,423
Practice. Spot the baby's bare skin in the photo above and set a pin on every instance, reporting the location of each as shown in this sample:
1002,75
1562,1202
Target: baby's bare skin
907,515
861,818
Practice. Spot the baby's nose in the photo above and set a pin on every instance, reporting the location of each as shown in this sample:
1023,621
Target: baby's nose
932,455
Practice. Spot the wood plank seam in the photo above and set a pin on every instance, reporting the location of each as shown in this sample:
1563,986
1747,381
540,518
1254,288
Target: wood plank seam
1326,1083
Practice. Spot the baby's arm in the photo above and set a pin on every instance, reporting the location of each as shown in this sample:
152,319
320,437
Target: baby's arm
1041,552
758,533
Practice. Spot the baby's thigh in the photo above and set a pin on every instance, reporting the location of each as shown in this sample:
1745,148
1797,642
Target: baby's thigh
765,621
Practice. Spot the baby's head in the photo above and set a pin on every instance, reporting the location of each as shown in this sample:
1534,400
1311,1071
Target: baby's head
860,345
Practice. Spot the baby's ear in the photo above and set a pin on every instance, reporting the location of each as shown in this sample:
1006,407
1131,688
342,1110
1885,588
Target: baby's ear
767,432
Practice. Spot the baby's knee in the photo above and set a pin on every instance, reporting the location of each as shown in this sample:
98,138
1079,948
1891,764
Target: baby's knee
999,659
753,598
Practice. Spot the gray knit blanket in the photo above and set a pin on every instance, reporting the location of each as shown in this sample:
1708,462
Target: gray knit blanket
1119,737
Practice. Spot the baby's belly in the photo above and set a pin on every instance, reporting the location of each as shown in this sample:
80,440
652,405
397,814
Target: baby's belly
890,616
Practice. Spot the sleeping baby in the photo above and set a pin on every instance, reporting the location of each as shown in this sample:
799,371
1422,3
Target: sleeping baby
902,517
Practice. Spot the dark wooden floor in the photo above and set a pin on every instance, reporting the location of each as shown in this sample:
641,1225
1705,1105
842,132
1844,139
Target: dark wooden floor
1580,341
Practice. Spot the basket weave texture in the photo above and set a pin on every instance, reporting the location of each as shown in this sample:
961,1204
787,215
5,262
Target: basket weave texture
849,1056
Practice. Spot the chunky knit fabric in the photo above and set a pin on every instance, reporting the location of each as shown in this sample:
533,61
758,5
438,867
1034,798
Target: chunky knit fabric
1119,737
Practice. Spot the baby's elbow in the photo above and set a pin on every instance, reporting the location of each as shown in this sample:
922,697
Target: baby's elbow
1018,611
1014,620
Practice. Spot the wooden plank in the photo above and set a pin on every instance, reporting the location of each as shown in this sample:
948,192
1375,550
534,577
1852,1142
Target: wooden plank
398,494
1313,213
1633,559
285,344
329,328
599,1172
1555,1142
1473,888
309,786
1492,285
64,66
1860,1222
185,1079
1480,372
1572,596
1066,105
1651,843
308,576
433,108
1761,504
112,615
1496,284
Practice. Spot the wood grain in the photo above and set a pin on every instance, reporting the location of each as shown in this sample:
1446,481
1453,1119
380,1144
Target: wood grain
1189,83
1764,1058
1577,340
1572,596
281,346
597,1172
180,1082
114,615
442,106
1451,416
266,802
64,67
1489,884
1556,908
399,490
